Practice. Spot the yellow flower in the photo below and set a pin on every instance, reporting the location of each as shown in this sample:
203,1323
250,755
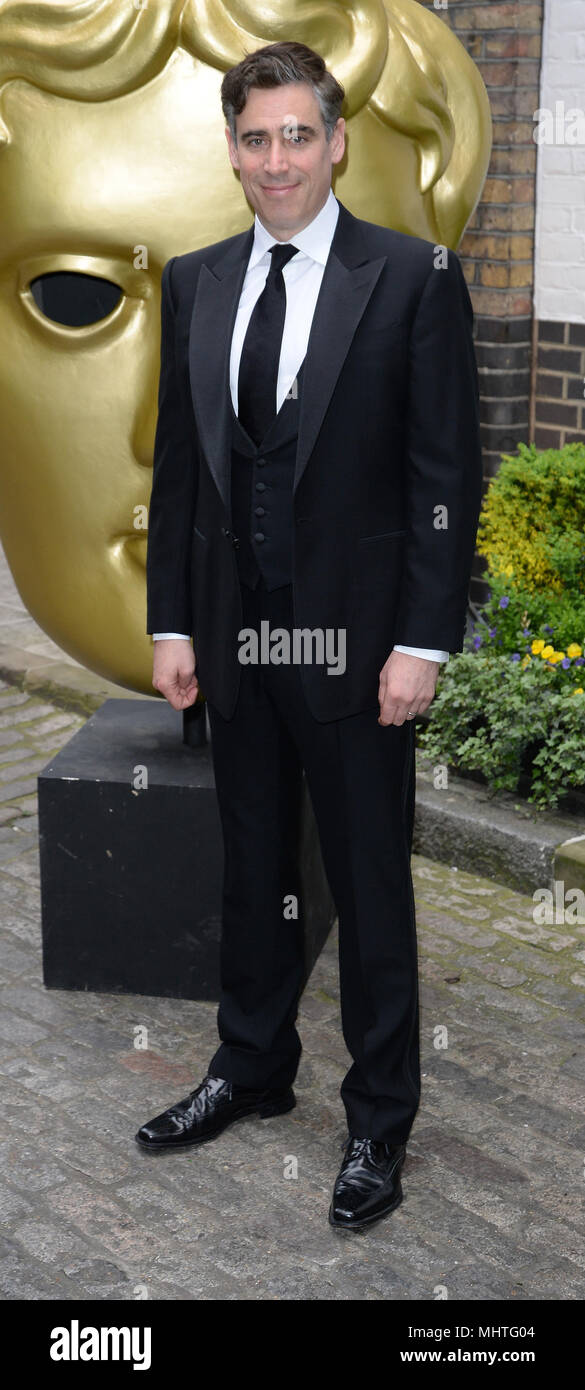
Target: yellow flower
557,656
509,569
574,649
578,690
537,647
547,653
525,661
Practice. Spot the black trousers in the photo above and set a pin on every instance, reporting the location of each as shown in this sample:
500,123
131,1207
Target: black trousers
360,776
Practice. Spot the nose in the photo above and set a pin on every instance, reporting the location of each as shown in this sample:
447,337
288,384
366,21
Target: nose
277,159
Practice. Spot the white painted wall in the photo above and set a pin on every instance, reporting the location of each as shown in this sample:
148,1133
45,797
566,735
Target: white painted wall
560,183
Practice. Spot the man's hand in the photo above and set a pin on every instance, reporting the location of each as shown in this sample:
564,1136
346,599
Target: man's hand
174,671
407,685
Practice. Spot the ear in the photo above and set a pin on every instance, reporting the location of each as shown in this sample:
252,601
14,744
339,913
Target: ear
232,149
337,145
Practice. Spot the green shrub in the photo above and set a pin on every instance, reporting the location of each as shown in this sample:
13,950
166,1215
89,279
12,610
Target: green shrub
506,719
532,526
512,619
513,708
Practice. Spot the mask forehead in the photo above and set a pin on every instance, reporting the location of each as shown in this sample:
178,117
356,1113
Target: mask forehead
135,169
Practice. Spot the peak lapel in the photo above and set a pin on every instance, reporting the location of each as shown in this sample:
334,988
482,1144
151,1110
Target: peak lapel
342,299
348,281
212,321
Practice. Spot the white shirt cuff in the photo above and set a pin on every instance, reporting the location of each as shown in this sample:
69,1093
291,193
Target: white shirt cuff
427,653
156,636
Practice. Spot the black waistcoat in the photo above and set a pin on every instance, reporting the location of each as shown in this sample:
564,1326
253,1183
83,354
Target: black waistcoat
262,477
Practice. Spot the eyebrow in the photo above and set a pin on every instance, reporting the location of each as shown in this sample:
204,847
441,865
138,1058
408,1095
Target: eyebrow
301,129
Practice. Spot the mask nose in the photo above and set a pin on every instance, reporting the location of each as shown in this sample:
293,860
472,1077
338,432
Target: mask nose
144,428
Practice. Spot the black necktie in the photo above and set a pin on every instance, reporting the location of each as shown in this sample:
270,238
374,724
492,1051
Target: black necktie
258,374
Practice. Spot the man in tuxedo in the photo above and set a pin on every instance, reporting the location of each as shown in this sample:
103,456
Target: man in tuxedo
317,466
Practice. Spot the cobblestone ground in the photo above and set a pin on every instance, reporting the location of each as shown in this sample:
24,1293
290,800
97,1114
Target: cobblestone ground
19,631
493,1180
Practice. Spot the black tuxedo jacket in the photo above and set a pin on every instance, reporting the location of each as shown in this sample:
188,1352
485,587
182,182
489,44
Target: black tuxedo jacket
387,484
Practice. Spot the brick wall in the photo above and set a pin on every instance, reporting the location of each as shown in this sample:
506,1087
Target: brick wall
497,250
558,415
559,404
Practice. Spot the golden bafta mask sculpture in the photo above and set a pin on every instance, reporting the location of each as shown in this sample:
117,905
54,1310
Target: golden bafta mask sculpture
112,159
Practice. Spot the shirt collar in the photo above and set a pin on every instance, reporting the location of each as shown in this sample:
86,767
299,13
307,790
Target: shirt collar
314,239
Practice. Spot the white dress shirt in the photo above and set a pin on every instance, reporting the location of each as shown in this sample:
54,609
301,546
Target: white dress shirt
305,272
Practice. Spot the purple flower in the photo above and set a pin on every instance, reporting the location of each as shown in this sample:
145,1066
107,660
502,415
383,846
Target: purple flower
515,656
526,632
580,661
477,642
504,602
548,628
565,663
492,631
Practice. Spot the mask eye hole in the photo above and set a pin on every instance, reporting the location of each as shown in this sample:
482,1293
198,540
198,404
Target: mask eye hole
74,299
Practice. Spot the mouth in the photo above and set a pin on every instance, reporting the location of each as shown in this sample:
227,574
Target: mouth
278,190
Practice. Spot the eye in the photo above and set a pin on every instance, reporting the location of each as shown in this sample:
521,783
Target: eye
74,299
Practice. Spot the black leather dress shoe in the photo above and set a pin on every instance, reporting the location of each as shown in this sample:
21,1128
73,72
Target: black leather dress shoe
205,1112
368,1185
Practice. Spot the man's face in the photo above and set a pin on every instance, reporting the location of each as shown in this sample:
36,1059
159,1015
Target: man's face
284,157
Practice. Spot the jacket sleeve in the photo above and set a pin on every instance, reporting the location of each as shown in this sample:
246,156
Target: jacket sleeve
443,465
174,489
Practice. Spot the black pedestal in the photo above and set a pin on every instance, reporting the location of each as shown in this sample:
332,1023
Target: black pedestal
131,859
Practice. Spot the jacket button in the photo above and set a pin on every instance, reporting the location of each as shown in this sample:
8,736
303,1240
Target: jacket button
260,487
259,536
260,511
260,462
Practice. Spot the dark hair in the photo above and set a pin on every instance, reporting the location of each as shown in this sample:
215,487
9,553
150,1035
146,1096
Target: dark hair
273,66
